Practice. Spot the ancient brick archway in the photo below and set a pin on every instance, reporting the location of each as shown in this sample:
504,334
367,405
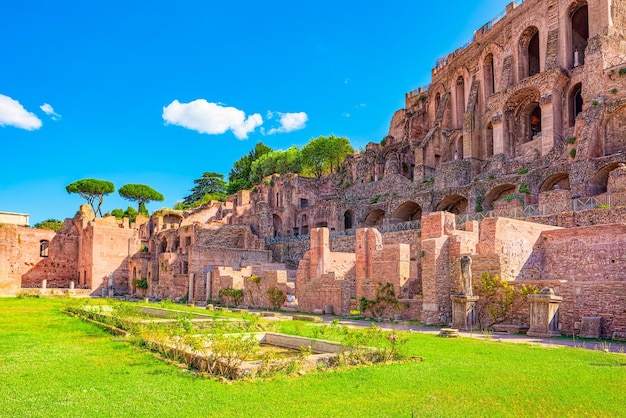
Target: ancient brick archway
407,211
578,34
348,220
558,181
529,54
456,204
598,183
496,193
575,103
523,121
375,218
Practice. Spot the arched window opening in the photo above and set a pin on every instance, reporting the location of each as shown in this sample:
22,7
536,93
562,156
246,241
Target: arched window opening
134,273
575,103
408,211
580,35
533,55
375,218
489,79
43,248
437,101
460,101
348,220
164,245
535,122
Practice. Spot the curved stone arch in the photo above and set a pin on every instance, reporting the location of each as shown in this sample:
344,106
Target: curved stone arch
572,18
613,130
374,218
529,53
453,148
459,104
517,111
163,244
598,183
455,203
558,181
495,51
497,193
574,103
407,211
433,102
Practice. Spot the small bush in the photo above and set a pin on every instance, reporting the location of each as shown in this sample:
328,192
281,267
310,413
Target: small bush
141,283
276,297
523,188
572,153
622,71
522,171
375,199
571,140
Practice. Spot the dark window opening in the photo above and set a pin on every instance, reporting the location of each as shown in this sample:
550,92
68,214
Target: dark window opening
535,122
580,35
533,55
43,248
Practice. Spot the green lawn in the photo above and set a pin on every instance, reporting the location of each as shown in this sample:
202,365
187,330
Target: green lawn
52,364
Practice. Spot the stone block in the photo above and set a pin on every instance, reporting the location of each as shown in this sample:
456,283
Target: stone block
591,327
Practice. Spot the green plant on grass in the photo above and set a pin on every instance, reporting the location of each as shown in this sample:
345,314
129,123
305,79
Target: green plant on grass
68,364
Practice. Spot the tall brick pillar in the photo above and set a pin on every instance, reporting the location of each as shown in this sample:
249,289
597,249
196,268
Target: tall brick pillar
320,251
437,306
367,243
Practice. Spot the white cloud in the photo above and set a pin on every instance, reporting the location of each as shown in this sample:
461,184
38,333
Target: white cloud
12,113
289,122
49,110
211,118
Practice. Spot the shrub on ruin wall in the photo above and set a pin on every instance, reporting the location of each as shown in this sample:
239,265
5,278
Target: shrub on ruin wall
500,301
229,294
276,297
385,299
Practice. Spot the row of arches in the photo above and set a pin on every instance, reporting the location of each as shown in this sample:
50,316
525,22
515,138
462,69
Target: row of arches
529,61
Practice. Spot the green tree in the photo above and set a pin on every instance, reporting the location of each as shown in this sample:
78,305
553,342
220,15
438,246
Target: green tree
324,155
130,213
210,186
142,194
92,190
276,162
51,224
239,176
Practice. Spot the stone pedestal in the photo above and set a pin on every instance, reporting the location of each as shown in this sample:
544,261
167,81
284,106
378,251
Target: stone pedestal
544,317
463,311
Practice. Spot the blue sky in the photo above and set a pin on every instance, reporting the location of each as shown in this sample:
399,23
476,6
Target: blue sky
158,92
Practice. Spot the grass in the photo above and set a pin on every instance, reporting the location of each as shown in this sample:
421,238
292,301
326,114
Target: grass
52,364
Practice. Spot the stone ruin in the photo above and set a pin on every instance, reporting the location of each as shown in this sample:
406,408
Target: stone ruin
513,156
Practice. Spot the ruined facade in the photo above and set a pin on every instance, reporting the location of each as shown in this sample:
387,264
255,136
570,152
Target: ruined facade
513,156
